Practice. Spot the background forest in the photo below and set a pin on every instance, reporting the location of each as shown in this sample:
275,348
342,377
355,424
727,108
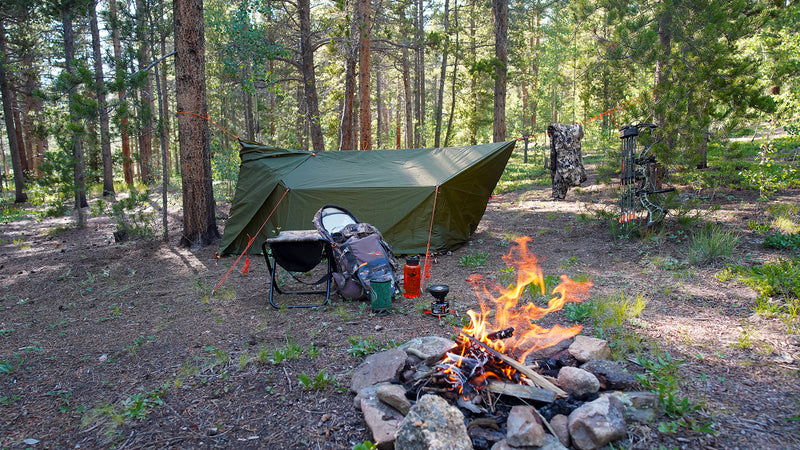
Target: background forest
88,88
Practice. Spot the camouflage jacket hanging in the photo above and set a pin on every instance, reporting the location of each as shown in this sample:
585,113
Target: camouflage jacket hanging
566,161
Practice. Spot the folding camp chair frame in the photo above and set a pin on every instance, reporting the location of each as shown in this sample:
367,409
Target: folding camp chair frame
288,238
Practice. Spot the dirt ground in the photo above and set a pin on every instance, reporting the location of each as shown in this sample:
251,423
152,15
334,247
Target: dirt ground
105,344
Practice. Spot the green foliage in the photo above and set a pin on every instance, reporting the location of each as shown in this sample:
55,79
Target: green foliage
366,445
712,244
320,381
362,347
771,279
579,312
473,259
518,175
134,215
10,213
6,367
782,241
288,352
769,173
662,377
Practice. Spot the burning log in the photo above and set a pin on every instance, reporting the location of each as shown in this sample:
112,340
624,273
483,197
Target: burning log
521,391
501,334
519,367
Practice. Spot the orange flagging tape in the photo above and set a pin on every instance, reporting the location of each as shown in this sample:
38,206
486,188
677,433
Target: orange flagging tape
209,121
430,233
249,243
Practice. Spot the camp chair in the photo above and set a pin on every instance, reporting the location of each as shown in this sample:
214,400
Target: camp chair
298,251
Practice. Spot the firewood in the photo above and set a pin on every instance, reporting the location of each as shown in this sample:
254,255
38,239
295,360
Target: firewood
522,391
528,373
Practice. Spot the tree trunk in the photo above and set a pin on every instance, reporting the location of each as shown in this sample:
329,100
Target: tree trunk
409,101
419,68
500,10
365,118
309,76
77,145
194,137
100,93
442,77
8,115
346,122
127,166
23,152
379,120
165,98
146,104
453,80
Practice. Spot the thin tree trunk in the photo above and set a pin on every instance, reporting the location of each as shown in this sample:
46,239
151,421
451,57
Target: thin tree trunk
100,93
199,221
365,118
23,152
500,10
8,115
127,162
146,102
77,148
309,76
455,77
346,122
409,100
162,137
419,68
165,98
442,77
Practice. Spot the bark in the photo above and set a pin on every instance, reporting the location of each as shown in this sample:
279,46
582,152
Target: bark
127,166
309,76
419,68
500,10
77,145
454,78
194,137
23,151
8,115
346,122
100,93
165,99
365,118
442,77
409,100
146,104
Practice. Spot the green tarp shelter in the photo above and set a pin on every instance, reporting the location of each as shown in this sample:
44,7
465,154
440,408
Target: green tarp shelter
394,190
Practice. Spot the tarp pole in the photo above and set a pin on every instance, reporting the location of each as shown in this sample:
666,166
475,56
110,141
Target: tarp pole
430,233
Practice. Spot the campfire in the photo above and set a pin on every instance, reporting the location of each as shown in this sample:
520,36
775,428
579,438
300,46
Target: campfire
492,349
490,388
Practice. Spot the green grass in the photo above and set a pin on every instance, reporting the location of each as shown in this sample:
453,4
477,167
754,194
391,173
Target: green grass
518,175
712,244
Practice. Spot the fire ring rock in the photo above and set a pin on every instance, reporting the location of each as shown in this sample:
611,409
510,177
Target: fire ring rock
377,368
597,423
577,381
432,424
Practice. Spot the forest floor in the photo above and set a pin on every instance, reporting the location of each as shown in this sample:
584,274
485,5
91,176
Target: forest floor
106,344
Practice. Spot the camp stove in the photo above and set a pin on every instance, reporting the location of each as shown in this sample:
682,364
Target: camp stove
440,306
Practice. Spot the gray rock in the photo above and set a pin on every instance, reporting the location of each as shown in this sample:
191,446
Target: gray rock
432,424
378,368
638,406
429,348
611,374
597,423
382,421
550,443
395,396
369,391
586,348
577,381
559,424
549,352
524,427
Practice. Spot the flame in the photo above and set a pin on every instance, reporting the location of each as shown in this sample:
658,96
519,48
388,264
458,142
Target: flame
500,307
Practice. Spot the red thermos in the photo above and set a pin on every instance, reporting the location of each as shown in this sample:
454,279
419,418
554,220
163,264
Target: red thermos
411,277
